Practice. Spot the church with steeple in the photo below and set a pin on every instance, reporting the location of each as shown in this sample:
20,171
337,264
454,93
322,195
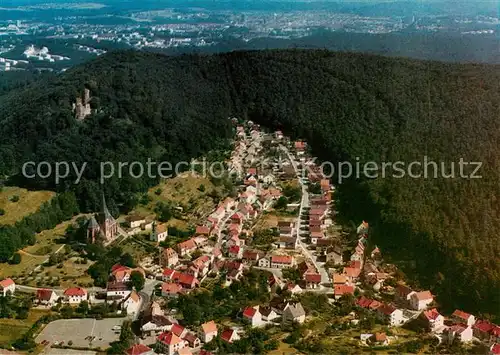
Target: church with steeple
103,227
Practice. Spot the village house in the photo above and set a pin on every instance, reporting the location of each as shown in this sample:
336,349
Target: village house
192,340
340,290
339,279
379,339
293,288
46,297
363,228
159,232
286,229
253,316
461,317
287,243
139,349
117,290
312,281
433,321
352,274
268,314
7,286
208,331
251,257
390,314
463,333
202,231
135,221
179,330
420,300
403,294
281,261
169,343
485,330
168,257
300,147
334,255
315,236
265,262
229,335
170,289
235,252
154,324
122,273
132,303
186,247
294,313
75,295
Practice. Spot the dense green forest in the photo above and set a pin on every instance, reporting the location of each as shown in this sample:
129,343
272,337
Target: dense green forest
442,231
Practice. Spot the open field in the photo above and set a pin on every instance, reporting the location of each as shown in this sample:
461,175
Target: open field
78,331
11,329
70,274
28,264
29,202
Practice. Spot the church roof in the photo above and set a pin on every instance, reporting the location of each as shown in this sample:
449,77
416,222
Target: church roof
105,210
93,223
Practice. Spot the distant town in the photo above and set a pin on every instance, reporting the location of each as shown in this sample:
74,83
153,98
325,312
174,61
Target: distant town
266,267
76,36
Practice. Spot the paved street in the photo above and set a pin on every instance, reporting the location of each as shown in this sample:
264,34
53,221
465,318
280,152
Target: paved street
304,203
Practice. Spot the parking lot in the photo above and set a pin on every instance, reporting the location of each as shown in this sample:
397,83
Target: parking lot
90,333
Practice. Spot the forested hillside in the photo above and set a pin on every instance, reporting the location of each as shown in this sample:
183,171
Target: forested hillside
443,231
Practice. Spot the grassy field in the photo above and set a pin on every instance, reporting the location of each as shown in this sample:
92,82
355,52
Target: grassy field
28,263
11,329
29,202
183,190
49,241
70,274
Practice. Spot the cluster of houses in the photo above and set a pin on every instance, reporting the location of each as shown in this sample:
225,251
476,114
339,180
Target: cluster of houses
172,338
117,291
278,309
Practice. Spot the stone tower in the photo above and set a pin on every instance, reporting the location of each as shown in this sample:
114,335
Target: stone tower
93,230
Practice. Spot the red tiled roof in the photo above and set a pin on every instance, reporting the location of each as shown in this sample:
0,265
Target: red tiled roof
177,329
117,267
172,288
431,314
423,295
75,291
184,279
168,272
250,255
249,312
282,259
364,302
169,338
234,249
316,278
138,349
227,334
6,283
483,326
461,314
43,294
495,349
386,309
340,290
352,272
188,244
202,230
209,327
